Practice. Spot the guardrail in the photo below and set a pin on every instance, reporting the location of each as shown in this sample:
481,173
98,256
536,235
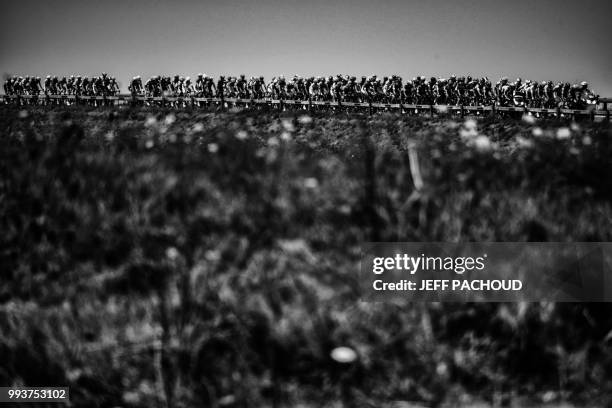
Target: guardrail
310,104
605,102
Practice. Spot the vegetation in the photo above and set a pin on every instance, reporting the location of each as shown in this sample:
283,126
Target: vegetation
152,257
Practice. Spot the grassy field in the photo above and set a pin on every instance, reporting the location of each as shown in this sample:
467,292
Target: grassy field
152,257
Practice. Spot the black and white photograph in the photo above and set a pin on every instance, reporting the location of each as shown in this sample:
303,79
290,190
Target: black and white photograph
306,204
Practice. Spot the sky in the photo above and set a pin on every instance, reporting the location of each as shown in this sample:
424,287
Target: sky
535,39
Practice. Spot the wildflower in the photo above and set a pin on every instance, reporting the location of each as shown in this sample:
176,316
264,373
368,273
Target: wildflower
470,124
227,400
212,255
241,135
172,253
286,136
529,119
452,124
549,396
442,369
305,119
482,143
151,121
170,119
131,397
524,143
468,133
288,125
311,182
273,141
344,354
213,147
537,132
345,209
563,133
198,127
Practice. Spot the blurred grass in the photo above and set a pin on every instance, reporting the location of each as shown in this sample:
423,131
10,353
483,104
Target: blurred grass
193,258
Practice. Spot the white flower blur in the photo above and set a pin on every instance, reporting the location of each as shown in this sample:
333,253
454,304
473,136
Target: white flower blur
470,124
530,119
524,142
288,125
537,132
305,119
344,355
150,121
170,119
213,147
482,143
172,253
311,182
563,133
